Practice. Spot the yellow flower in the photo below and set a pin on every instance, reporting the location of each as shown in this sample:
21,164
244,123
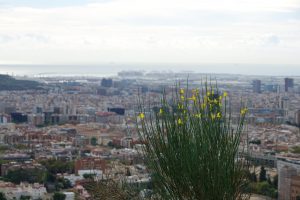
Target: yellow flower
198,115
216,101
179,121
219,115
208,94
193,98
161,111
203,106
213,116
181,91
180,106
244,111
209,100
220,98
225,94
142,115
195,91
182,97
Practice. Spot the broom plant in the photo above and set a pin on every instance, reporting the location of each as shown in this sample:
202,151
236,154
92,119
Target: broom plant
192,147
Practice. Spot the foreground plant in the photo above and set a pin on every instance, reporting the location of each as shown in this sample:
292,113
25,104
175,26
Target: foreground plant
110,190
191,146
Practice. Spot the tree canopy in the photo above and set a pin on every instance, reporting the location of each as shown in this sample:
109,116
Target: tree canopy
2,196
94,141
22,175
262,174
59,196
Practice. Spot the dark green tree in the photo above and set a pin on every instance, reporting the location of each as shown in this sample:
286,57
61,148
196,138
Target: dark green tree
50,177
253,177
57,166
21,175
59,186
269,180
275,181
262,174
2,196
192,149
93,141
89,176
59,196
25,197
258,142
67,184
62,183
110,144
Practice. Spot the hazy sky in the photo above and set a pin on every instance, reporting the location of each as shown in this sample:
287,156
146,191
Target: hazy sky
149,31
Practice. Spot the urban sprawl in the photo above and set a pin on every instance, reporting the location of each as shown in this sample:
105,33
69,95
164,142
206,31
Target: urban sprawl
73,130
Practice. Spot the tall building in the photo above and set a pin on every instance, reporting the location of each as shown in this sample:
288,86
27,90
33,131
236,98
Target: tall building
295,187
288,178
286,173
18,117
106,82
256,86
288,84
285,106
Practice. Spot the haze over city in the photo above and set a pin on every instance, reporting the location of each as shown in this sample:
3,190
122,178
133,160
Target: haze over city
155,33
111,69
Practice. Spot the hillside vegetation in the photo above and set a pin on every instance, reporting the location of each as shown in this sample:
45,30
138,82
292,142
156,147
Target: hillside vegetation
9,83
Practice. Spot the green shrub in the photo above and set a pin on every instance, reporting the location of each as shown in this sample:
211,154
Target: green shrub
191,146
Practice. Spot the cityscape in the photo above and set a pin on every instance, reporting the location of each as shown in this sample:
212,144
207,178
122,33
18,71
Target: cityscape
71,127
149,100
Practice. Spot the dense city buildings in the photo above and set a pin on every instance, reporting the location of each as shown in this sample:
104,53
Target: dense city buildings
90,164
14,191
76,129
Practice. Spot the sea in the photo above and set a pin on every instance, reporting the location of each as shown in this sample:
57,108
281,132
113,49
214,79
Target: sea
112,69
